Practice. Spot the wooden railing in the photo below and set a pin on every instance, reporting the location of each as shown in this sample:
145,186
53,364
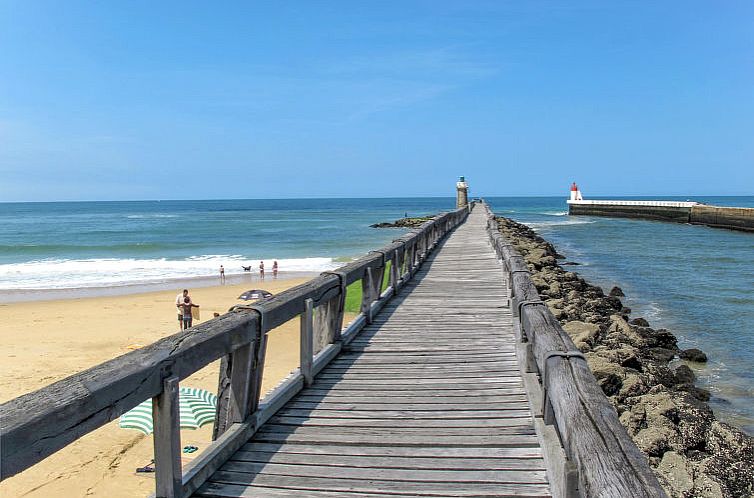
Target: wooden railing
38,424
605,459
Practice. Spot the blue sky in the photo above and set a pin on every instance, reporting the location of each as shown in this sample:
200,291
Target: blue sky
196,100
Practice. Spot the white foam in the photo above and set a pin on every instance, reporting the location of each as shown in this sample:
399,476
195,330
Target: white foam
107,272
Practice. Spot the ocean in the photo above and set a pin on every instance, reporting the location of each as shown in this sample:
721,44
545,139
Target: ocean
696,281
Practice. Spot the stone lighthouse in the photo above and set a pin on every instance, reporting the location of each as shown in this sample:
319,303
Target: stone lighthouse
462,193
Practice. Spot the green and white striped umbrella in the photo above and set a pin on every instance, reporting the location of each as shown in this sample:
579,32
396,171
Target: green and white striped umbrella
196,406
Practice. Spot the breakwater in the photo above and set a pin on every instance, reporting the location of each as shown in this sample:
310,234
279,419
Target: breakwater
655,394
733,218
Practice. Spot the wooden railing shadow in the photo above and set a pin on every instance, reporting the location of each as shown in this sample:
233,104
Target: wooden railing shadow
38,424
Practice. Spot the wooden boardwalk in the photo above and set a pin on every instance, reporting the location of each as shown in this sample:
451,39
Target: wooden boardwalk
428,400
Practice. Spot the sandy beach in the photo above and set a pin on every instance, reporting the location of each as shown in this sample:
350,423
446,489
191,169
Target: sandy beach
46,341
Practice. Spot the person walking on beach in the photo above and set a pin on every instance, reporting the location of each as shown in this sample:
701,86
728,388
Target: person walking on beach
187,304
179,302
261,270
222,274
275,269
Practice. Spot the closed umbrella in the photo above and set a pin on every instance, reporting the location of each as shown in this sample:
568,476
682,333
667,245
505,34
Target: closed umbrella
196,407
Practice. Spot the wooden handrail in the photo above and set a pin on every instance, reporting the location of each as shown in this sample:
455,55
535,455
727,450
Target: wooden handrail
608,461
37,424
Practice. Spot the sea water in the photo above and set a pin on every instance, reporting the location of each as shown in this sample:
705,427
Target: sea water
696,281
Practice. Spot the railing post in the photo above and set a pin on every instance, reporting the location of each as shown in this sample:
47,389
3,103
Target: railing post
236,386
242,363
328,319
394,271
307,341
260,353
167,440
367,294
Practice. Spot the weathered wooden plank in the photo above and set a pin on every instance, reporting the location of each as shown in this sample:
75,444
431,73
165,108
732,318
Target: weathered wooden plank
458,477
434,451
167,440
515,397
393,422
438,393
394,432
381,462
408,414
371,486
306,348
221,490
515,440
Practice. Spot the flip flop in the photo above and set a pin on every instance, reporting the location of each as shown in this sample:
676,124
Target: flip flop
190,449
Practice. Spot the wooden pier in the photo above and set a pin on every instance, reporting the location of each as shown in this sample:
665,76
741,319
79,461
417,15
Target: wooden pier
428,400
454,380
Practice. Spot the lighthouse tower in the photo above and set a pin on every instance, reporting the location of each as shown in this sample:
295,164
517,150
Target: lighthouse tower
462,193
575,193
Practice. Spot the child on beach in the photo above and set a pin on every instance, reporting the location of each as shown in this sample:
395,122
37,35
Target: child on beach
186,306
275,269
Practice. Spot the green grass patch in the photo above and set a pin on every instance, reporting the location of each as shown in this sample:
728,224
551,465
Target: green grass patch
353,291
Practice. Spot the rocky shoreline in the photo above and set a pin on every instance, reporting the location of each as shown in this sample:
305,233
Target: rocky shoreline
403,222
643,373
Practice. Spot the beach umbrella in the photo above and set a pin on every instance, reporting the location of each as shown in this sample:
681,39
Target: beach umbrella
255,294
196,407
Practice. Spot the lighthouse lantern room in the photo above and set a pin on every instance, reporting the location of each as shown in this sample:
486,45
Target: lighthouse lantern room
575,193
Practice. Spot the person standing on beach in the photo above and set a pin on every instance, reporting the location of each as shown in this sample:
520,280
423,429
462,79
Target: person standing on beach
222,274
261,270
275,269
179,302
187,304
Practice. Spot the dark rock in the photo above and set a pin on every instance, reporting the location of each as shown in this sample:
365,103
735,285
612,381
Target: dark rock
571,263
693,354
403,223
660,354
699,393
616,292
641,322
684,375
632,362
666,339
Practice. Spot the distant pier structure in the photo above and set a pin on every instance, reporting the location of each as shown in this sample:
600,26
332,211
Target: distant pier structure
695,213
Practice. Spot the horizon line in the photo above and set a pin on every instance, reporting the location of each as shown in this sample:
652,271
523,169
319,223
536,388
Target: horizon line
564,196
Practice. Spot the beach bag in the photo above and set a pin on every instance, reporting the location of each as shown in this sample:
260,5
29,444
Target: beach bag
195,313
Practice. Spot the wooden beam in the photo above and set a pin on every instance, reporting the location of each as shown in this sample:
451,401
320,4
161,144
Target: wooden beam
307,342
167,440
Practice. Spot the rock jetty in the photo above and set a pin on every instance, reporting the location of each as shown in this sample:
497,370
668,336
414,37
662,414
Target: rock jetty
403,223
666,414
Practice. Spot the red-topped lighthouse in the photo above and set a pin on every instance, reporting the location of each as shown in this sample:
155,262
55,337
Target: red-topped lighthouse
575,193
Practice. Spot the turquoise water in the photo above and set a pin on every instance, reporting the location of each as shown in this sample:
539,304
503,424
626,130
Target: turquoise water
103,244
696,281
